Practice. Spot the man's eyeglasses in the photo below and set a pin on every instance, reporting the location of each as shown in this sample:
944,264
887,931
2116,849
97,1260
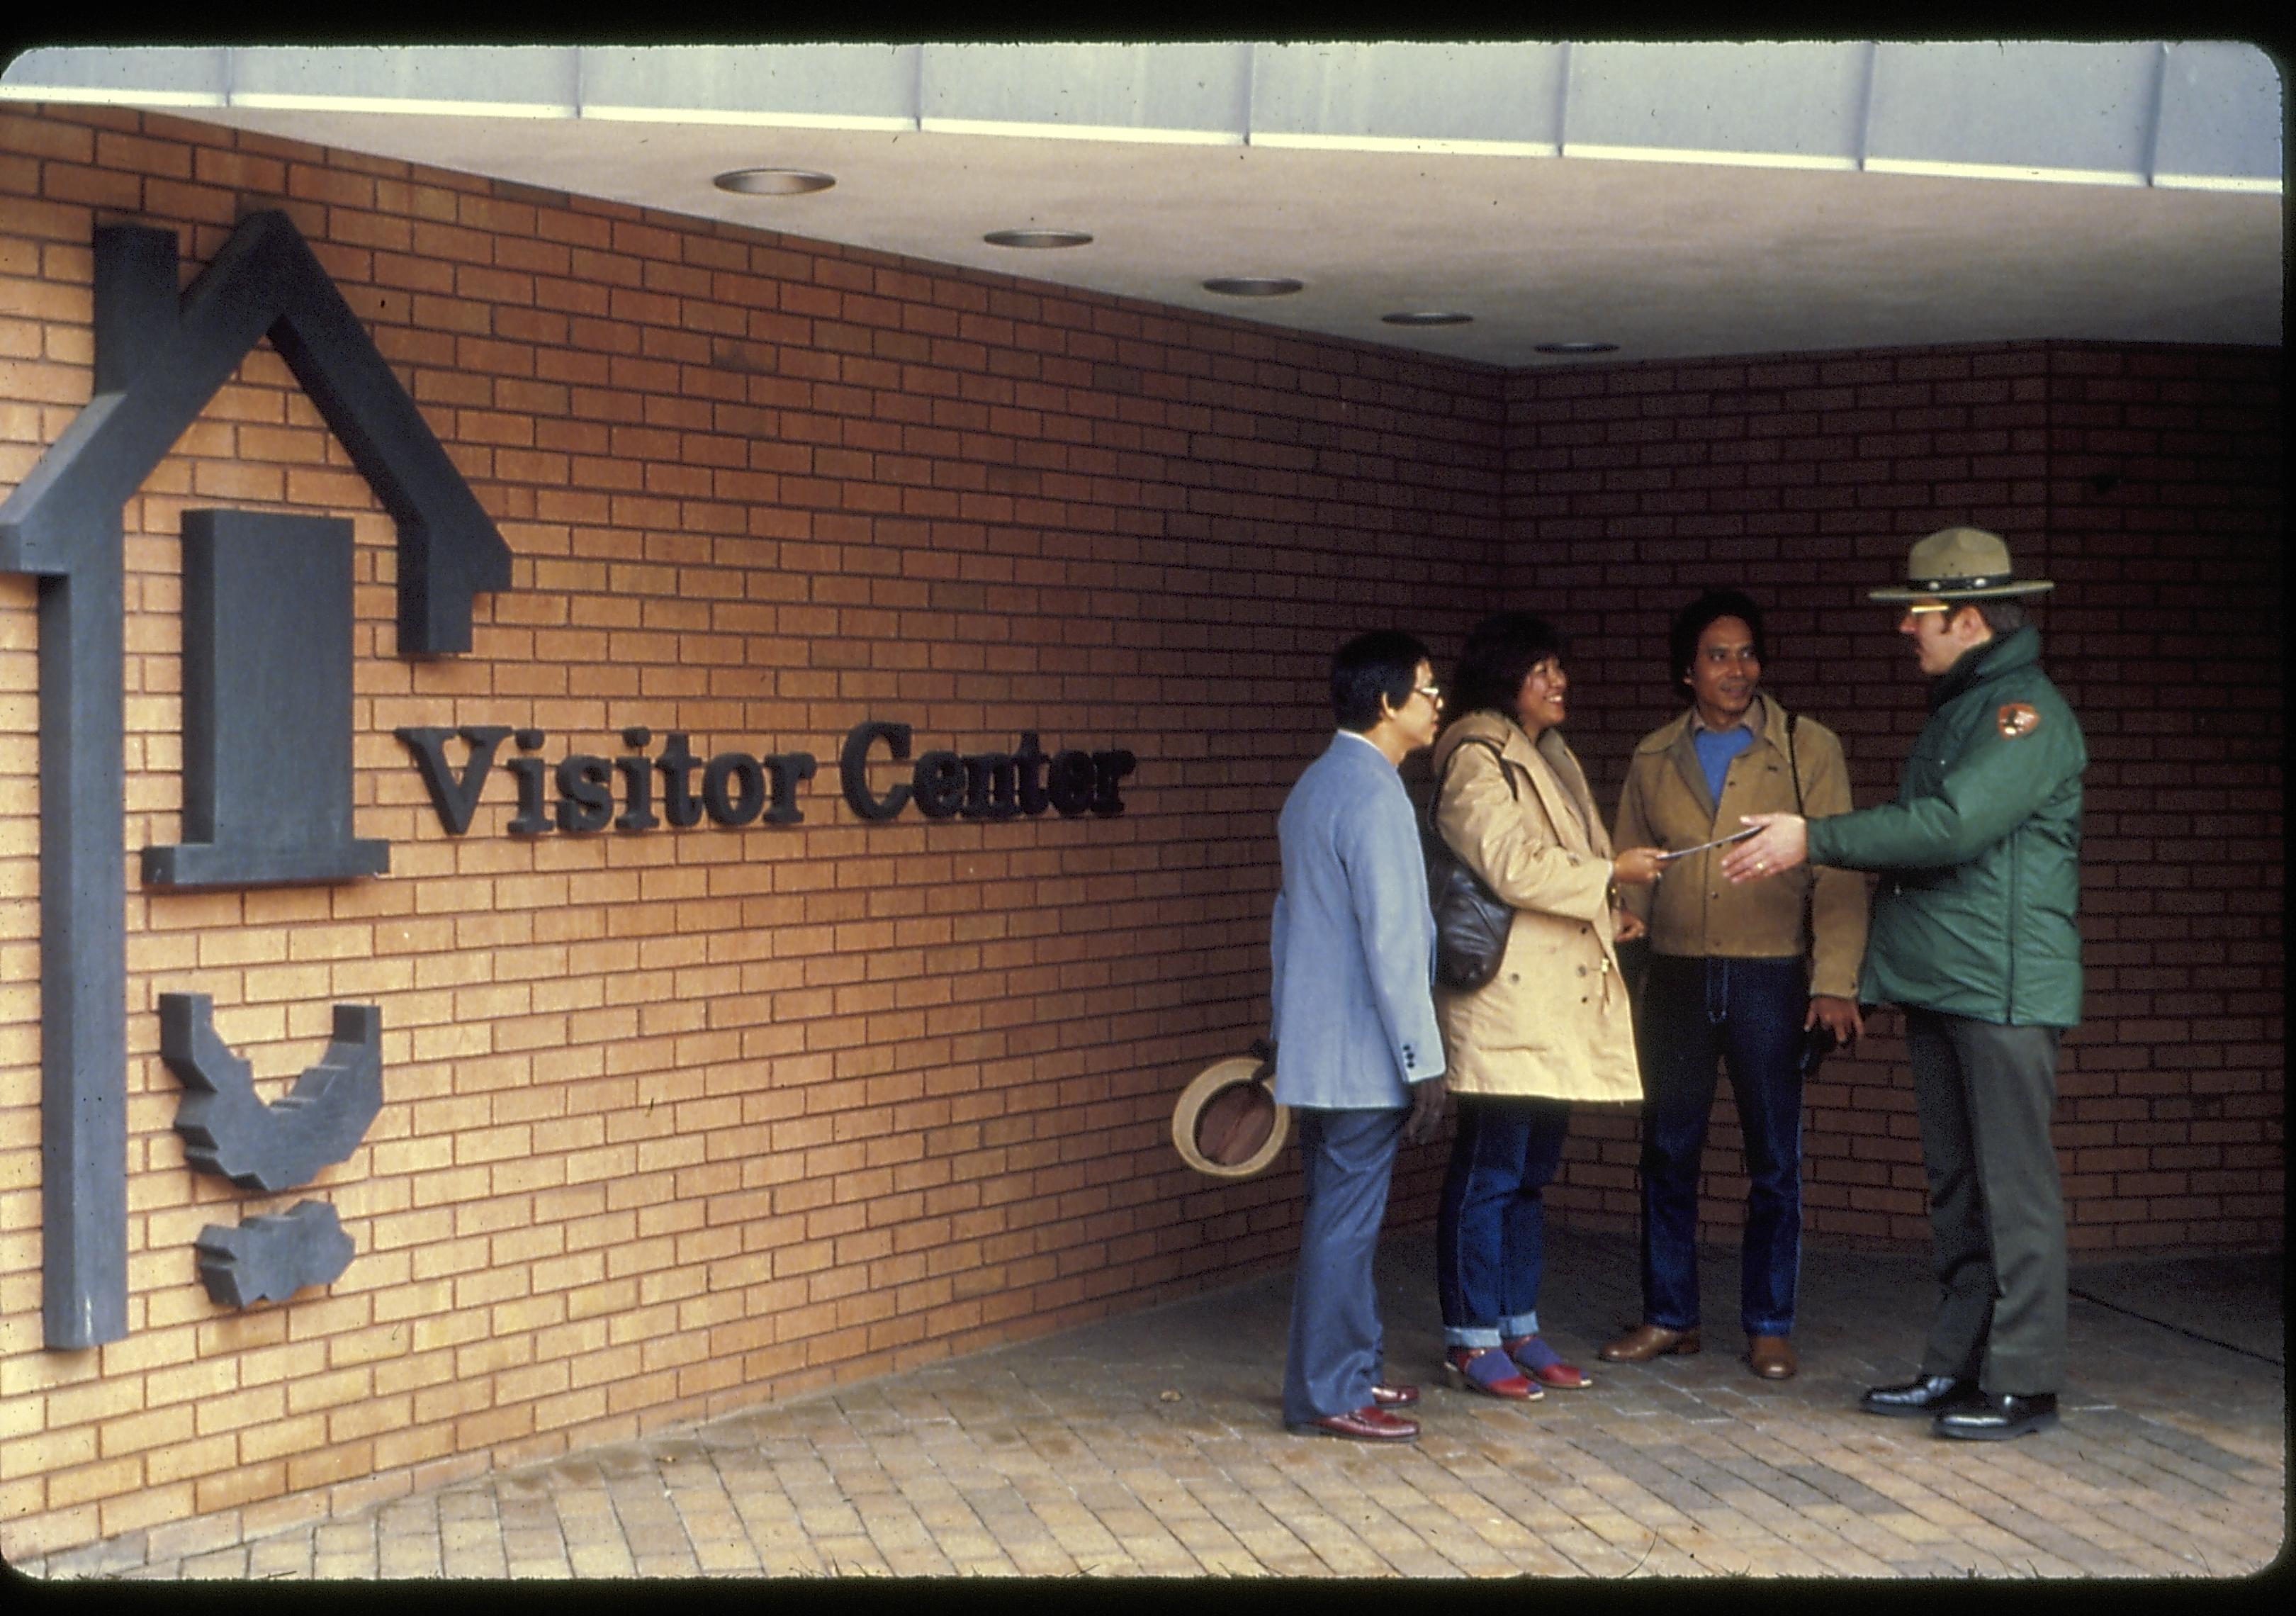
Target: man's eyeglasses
1433,693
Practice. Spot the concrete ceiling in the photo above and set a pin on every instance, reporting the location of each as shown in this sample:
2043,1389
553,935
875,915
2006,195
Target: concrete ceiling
1675,201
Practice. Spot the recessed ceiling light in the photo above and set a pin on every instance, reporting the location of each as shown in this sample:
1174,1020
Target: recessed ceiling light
1426,317
1578,348
1253,286
1037,238
773,182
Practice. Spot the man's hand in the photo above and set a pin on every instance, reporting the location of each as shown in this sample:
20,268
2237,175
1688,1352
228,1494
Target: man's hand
1840,1016
1426,1111
1626,926
1781,843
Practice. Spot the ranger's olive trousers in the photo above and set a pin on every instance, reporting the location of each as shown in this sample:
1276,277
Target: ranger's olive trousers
1984,1093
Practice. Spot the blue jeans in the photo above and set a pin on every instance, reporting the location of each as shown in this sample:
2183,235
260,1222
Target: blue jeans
1747,1014
1489,1243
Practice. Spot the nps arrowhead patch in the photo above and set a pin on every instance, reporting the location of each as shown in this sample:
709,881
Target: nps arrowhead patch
2016,718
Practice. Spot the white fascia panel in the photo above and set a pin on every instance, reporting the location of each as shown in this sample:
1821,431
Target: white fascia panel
1396,96
2015,109
413,105
497,81
141,76
1059,131
1195,94
2059,177
800,87
1727,160
106,97
1404,144
1798,101
756,121
2222,106
2218,182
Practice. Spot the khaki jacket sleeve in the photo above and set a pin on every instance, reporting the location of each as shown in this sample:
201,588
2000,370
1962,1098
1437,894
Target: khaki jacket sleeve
1504,837
1838,904
1633,830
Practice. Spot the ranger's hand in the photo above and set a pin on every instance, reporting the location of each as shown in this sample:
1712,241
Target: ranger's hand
1781,844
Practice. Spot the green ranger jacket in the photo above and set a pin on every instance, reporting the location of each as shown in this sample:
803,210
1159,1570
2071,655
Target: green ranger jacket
1979,854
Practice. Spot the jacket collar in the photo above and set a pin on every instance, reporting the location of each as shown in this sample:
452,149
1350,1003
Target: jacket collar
1678,741
1772,724
2003,654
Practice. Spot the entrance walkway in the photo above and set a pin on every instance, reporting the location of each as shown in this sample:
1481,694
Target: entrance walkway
1150,1446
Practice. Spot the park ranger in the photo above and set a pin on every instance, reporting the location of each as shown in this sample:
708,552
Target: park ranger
1974,937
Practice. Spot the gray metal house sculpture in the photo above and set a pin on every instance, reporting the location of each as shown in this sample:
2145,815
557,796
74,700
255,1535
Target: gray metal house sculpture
248,819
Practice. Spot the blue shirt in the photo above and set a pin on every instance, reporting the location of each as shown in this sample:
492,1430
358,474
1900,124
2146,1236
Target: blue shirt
1716,750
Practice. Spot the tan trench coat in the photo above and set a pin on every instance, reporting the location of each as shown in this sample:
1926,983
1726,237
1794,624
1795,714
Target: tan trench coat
1554,1023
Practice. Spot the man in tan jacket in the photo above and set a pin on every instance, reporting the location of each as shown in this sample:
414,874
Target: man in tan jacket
1737,973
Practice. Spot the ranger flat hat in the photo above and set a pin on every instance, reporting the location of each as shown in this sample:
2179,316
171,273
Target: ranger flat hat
1961,564
1228,1124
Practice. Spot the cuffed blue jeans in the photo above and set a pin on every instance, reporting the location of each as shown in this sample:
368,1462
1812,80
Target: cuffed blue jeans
1748,1014
1489,1225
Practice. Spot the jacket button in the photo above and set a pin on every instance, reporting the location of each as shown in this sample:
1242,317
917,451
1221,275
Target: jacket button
1582,970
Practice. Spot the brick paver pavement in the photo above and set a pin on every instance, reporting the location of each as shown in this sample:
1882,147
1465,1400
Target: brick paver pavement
1150,1446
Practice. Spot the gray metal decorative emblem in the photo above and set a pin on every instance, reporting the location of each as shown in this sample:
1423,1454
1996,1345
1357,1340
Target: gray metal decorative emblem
228,1131
267,706
158,357
269,1258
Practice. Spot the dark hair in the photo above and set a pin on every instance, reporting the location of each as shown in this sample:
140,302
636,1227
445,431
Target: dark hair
1701,614
1384,662
2002,617
1499,654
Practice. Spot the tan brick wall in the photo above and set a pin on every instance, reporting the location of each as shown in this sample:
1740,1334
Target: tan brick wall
685,1119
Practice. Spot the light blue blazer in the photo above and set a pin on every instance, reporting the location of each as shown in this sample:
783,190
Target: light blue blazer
1353,939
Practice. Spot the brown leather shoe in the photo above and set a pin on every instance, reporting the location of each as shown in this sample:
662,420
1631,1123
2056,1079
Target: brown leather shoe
1772,1356
1394,1397
1644,1342
1368,1424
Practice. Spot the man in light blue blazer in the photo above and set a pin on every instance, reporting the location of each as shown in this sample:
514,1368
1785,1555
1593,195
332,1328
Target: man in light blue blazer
1354,1023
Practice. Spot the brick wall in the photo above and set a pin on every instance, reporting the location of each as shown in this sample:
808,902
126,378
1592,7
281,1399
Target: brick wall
2147,481
687,1119
679,1120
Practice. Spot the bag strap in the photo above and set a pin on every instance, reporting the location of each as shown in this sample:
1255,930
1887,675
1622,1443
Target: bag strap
1435,797
1809,889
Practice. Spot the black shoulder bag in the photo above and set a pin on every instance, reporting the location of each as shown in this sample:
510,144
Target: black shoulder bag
1471,920
1817,1040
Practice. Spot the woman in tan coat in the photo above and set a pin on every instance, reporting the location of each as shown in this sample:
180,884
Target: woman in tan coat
1554,1026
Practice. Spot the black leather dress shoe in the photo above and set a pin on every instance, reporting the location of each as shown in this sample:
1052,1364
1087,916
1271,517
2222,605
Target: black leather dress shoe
2000,1415
1931,1394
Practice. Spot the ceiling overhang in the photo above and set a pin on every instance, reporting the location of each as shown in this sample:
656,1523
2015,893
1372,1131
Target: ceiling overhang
1671,199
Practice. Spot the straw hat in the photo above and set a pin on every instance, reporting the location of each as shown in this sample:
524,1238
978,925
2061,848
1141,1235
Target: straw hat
1961,564
1228,1124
